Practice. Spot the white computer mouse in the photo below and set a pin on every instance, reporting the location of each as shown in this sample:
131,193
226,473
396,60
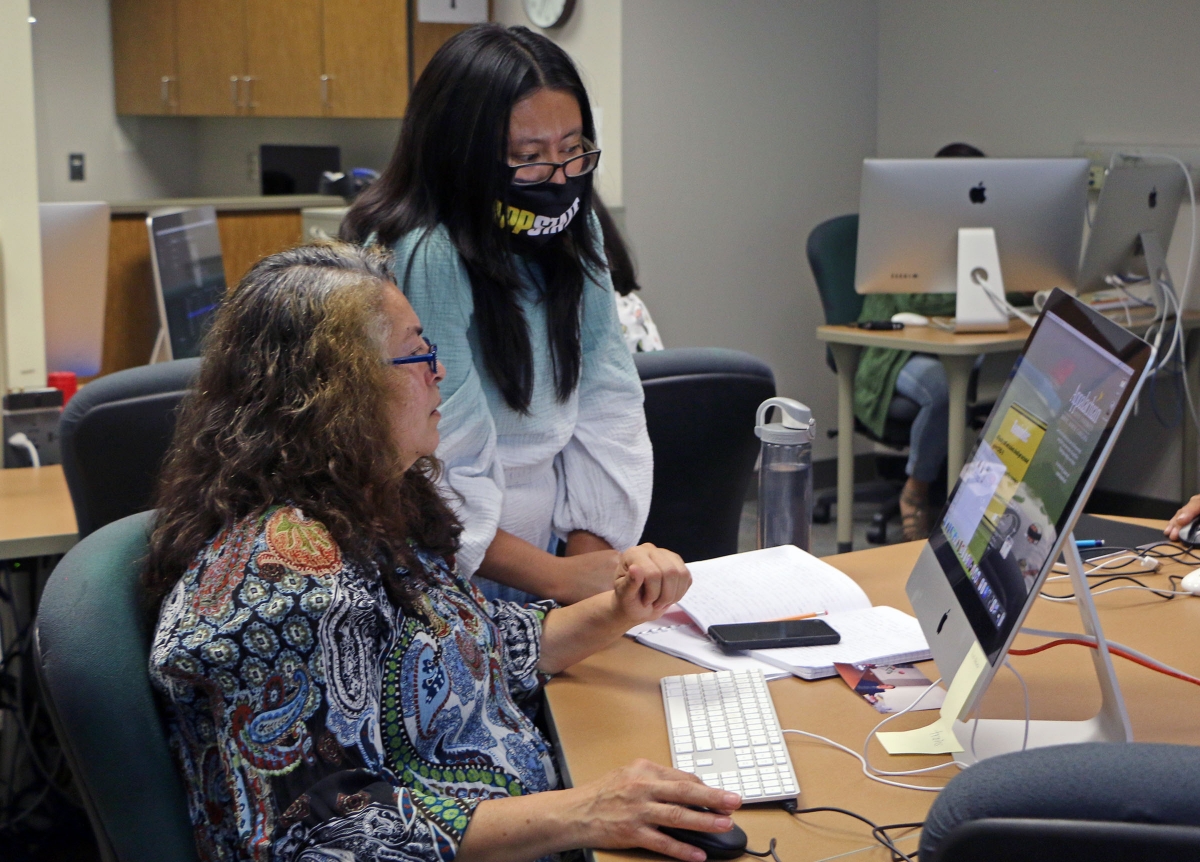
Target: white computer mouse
910,319
1191,582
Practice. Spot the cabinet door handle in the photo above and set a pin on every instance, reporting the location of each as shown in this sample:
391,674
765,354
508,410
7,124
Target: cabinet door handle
325,79
250,103
233,91
165,92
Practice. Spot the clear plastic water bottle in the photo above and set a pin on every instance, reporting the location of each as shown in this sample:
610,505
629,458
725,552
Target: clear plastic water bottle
785,485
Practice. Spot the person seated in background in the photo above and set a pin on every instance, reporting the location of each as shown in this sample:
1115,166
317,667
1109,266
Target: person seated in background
884,372
641,335
334,687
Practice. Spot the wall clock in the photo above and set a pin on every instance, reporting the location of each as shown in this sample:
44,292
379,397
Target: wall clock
549,13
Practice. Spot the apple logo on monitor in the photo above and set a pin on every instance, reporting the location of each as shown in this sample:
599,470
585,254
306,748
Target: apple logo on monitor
1153,197
978,194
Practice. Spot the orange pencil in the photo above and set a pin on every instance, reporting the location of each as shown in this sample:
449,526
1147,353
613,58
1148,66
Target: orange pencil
801,617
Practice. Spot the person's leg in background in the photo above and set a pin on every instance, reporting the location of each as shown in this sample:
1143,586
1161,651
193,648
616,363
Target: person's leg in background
923,379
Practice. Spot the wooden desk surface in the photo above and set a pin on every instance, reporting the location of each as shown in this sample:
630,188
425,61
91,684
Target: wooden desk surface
608,710
929,339
36,515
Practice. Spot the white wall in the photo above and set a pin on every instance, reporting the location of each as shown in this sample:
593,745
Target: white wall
126,158
1035,78
745,126
592,36
22,344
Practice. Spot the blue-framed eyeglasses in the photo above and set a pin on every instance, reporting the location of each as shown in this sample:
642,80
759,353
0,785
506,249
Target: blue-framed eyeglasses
430,357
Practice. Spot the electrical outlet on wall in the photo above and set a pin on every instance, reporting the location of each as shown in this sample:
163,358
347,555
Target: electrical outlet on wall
75,167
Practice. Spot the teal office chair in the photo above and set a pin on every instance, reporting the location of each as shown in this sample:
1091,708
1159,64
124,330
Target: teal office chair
832,248
91,651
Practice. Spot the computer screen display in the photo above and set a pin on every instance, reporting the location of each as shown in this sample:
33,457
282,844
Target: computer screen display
189,274
1063,399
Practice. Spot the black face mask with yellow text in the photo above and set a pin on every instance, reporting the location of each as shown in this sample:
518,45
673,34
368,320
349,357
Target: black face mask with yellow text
540,214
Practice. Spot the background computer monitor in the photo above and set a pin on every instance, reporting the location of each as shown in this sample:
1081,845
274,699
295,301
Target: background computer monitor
1026,482
295,169
911,209
1136,198
189,278
74,281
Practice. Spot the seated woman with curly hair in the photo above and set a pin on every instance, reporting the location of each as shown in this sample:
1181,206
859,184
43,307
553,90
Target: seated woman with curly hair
334,689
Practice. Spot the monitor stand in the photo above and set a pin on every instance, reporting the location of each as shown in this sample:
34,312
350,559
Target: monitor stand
1157,272
159,353
1111,724
980,305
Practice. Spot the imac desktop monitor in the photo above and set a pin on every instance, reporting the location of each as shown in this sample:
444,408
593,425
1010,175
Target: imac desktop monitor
74,281
189,277
911,209
1020,492
1136,199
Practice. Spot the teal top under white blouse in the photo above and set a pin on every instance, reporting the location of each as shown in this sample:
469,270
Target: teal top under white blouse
582,464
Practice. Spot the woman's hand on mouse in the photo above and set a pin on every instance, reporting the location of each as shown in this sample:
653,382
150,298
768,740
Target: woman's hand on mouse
648,580
1185,516
624,809
619,811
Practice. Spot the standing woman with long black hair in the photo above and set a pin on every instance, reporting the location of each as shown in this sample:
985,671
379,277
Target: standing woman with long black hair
487,203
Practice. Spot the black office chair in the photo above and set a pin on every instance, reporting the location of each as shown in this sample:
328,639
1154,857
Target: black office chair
91,651
1100,802
115,433
700,406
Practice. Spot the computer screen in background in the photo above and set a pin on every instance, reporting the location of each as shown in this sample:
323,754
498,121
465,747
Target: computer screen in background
288,169
74,282
1026,482
189,278
1137,199
910,212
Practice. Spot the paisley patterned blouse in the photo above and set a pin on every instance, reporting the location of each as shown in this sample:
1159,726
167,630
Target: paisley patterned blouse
315,721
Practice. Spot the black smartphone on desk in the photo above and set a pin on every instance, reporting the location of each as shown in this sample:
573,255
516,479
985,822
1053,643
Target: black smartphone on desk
886,325
770,635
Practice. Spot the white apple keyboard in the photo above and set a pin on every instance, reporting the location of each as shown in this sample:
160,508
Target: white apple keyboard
723,728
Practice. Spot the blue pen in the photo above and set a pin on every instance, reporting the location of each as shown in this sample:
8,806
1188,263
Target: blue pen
1089,543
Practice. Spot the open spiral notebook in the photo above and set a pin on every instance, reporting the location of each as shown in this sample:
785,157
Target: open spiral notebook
781,583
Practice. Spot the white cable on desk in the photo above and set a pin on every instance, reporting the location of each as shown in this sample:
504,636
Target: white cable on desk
21,441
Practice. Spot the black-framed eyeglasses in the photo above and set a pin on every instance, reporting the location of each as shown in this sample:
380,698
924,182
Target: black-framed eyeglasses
430,357
541,172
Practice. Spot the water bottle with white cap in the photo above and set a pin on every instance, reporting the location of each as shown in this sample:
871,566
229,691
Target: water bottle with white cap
785,485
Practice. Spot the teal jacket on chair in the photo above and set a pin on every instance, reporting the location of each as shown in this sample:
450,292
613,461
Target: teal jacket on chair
92,654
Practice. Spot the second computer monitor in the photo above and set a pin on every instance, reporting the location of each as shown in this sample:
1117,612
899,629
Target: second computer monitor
189,277
1023,487
911,209
1136,199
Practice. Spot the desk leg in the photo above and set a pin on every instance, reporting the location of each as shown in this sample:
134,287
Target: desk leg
1191,442
958,376
846,357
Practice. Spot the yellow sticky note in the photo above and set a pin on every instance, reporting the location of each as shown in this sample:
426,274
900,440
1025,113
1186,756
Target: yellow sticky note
938,738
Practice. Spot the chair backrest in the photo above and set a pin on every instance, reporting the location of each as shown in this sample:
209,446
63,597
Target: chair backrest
115,433
700,405
91,649
832,249
1094,801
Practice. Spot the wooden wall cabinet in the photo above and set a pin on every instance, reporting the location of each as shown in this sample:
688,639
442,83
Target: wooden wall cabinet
145,62
269,58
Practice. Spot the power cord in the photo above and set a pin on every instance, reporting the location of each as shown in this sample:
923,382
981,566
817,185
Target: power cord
879,833
21,441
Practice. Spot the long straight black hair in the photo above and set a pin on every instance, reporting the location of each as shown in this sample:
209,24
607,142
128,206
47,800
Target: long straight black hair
449,168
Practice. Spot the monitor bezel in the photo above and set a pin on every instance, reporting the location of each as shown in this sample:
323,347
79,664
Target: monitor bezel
1117,342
